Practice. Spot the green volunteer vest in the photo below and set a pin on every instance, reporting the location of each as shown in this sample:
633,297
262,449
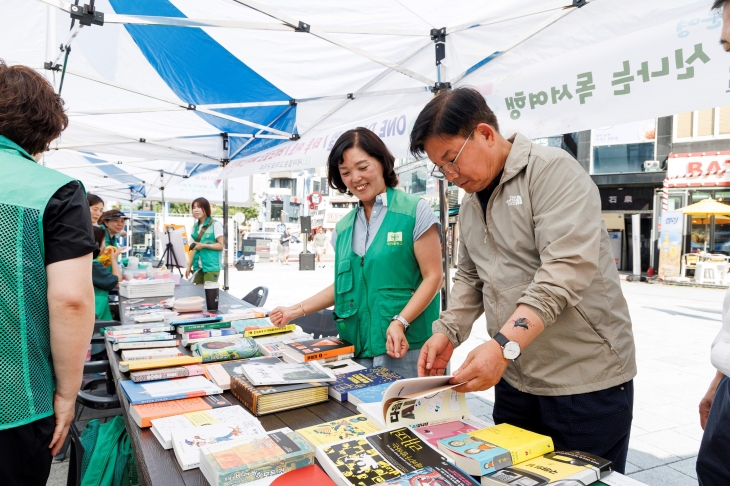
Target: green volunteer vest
108,239
209,259
370,290
27,381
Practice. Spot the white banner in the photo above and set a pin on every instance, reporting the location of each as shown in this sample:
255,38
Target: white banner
634,132
204,185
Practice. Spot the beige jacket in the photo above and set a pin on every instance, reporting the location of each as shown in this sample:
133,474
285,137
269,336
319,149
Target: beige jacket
544,244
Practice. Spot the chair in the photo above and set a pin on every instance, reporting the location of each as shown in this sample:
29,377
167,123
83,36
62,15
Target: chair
77,456
707,273
319,325
257,297
689,262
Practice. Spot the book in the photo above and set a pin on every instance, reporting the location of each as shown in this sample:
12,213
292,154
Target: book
165,390
154,353
370,394
261,374
356,380
131,338
289,337
522,444
186,443
381,457
316,349
475,456
172,343
308,476
255,323
415,402
166,373
137,329
256,331
341,367
434,433
149,364
617,479
428,476
197,318
238,313
143,414
220,373
183,328
224,349
273,350
565,468
277,398
162,428
156,318
206,334
248,459
190,342
338,430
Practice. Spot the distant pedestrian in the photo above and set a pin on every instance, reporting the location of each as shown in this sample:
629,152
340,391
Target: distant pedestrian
320,244
285,240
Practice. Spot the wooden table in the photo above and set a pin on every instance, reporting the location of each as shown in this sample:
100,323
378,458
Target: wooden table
157,466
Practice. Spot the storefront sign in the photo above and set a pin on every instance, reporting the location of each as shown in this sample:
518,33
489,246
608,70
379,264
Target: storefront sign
626,199
634,132
670,244
699,169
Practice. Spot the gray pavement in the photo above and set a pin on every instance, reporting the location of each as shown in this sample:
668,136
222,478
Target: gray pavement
673,327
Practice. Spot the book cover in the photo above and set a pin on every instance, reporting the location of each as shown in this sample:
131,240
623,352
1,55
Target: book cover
162,428
190,342
205,334
165,390
145,413
137,329
261,374
429,476
130,338
337,430
149,364
254,458
316,349
187,442
240,313
474,455
356,380
146,344
166,373
274,349
154,353
522,444
561,467
370,394
434,433
220,373
255,331
255,323
183,328
277,398
197,318
309,476
225,349
289,337
341,367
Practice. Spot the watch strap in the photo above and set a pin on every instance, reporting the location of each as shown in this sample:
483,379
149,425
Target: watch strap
501,339
402,320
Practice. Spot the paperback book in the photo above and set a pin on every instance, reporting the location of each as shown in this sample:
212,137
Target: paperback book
149,364
249,459
162,428
186,443
242,325
166,373
338,430
197,318
225,349
237,313
522,444
154,353
305,476
144,414
434,433
317,349
256,331
165,390
192,337
220,373
171,343
289,337
429,476
277,398
183,328
190,342
359,379
129,338
565,468
474,455
261,374
370,394
137,329
344,366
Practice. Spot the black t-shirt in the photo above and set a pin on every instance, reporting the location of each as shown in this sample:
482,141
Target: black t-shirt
281,240
486,193
67,230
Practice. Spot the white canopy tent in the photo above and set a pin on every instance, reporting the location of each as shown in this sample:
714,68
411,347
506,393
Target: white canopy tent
224,82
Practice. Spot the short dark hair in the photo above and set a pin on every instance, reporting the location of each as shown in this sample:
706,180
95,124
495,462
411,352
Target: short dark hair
451,113
31,113
99,237
368,142
94,199
718,4
204,205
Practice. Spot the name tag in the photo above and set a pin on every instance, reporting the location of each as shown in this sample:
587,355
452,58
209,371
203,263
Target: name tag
395,238
514,201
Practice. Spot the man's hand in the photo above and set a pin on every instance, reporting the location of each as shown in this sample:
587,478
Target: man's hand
482,369
396,343
63,410
435,355
705,405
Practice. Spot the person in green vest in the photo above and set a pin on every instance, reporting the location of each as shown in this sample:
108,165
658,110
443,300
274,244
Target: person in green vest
112,222
105,274
387,260
207,244
46,294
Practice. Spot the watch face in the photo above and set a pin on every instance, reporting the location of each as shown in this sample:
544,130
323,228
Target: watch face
511,350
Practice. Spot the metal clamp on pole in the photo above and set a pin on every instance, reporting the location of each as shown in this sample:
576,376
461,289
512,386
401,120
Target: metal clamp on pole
438,36
87,15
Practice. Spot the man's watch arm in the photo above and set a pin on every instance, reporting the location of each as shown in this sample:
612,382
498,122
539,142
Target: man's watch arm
522,327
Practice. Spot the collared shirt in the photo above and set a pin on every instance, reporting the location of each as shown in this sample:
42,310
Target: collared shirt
363,230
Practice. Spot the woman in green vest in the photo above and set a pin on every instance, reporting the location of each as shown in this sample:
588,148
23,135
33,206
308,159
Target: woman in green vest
387,260
105,275
207,243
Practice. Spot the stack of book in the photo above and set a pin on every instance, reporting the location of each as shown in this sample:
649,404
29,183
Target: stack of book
122,339
322,350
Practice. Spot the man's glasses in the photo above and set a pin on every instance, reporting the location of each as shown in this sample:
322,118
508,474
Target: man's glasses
440,171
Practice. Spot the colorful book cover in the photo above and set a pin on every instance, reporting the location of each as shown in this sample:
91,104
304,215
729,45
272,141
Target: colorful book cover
522,444
310,476
154,353
166,373
146,344
210,333
434,433
254,458
225,349
261,374
183,328
255,331
145,413
197,318
187,442
370,394
256,323
337,430
148,364
340,367
361,379
165,390
561,467
129,338
162,428
474,455
429,476
316,349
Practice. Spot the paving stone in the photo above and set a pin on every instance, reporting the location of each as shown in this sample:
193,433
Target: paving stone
686,467
663,476
692,430
645,455
673,442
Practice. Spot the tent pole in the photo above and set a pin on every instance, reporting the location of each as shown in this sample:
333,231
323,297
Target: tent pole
131,224
225,234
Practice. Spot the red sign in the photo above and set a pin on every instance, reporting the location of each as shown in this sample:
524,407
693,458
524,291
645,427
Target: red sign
315,198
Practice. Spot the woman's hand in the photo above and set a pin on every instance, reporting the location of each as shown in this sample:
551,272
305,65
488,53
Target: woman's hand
396,343
281,316
114,252
187,272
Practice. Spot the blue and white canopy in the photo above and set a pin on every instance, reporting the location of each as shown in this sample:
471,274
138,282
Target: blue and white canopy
205,83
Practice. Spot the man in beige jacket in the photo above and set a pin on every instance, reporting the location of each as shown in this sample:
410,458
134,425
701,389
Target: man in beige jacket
534,257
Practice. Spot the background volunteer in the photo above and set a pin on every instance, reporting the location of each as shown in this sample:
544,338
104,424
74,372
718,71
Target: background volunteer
205,249
112,222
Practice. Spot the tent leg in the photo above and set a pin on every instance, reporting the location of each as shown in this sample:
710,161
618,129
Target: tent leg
131,227
444,217
225,235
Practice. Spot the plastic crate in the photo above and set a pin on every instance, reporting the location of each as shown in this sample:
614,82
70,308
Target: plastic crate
147,288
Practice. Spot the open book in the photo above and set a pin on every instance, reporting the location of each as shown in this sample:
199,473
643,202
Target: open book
416,402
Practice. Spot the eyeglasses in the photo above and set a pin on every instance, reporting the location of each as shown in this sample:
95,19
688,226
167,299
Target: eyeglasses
440,171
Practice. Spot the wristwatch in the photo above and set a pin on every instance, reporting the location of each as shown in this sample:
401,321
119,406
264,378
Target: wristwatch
403,321
510,349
